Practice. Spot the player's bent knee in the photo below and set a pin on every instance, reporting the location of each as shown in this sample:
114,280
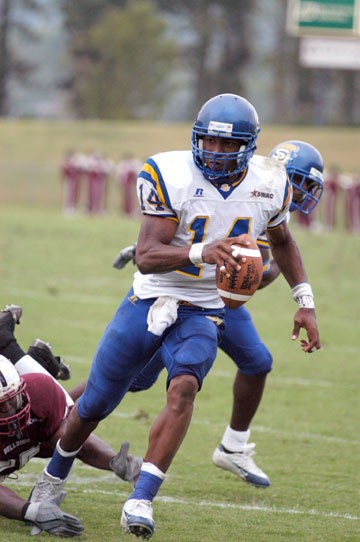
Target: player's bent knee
258,361
89,415
193,358
93,407
262,364
182,391
183,384
198,339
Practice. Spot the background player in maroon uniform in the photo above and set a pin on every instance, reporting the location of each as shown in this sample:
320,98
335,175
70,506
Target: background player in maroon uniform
71,175
24,427
34,417
126,174
98,170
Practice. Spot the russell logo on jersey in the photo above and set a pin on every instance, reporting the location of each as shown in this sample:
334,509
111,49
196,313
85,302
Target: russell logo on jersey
199,193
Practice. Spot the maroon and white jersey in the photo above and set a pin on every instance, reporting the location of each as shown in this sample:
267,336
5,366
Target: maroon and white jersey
48,409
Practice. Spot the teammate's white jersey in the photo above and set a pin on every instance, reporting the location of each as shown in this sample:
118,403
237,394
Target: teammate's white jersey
170,185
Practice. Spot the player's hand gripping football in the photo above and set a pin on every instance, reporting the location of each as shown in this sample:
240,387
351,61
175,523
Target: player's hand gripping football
221,253
47,516
305,318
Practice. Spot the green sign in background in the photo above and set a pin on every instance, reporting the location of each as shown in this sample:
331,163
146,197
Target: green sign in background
327,14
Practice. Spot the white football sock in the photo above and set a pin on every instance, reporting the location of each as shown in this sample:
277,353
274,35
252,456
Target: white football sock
235,441
153,469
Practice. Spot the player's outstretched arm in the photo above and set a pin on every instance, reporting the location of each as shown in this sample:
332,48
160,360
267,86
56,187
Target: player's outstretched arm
288,257
11,504
47,516
126,466
97,453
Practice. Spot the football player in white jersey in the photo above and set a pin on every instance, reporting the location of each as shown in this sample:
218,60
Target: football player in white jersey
195,204
240,340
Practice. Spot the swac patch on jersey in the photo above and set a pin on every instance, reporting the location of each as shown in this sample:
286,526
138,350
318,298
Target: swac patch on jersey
259,194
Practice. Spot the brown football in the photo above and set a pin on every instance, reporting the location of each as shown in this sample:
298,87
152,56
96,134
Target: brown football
241,285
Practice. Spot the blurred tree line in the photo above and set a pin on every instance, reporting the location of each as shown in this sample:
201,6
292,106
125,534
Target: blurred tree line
163,58
12,64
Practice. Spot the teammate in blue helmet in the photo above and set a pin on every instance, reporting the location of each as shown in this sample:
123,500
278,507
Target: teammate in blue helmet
305,166
240,341
194,207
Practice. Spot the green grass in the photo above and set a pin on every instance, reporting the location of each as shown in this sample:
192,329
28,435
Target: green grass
60,271
306,430
31,151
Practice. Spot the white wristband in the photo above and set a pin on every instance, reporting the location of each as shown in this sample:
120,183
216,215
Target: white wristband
303,295
32,511
195,253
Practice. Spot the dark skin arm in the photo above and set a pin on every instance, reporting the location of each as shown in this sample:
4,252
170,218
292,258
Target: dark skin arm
272,273
95,452
11,504
287,255
77,391
154,254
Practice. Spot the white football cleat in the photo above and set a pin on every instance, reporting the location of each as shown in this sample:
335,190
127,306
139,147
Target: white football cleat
241,464
47,487
137,518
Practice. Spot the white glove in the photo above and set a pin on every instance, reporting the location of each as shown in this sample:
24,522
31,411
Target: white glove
47,516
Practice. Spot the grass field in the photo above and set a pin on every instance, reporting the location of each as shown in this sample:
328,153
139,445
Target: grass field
59,270
31,152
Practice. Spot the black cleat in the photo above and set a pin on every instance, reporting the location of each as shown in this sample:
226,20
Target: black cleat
42,353
15,312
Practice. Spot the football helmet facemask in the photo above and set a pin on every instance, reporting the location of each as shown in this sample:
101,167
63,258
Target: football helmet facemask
305,167
14,400
228,116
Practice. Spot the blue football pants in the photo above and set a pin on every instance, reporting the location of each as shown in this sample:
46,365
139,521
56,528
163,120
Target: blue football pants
189,346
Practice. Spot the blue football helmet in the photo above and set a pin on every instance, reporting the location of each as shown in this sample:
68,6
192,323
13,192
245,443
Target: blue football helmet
304,166
231,117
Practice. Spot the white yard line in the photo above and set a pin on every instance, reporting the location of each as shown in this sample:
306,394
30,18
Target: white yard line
233,506
79,482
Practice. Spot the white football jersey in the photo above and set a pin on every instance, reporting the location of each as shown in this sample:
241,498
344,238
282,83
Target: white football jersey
170,185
